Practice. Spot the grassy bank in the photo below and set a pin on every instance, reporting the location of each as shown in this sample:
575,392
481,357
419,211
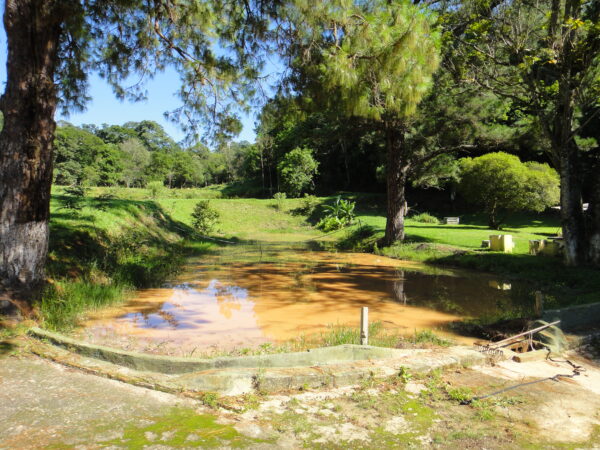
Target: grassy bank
249,219
460,246
103,249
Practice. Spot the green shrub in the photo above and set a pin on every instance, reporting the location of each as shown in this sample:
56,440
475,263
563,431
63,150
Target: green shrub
338,215
500,183
205,218
309,204
155,189
279,200
330,223
297,169
105,199
110,193
459,394
75,197
425,218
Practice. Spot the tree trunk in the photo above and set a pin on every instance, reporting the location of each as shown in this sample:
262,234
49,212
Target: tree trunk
396,175
571,208
345,155
594,213
567,153
262,169
493,223
28,105
566,149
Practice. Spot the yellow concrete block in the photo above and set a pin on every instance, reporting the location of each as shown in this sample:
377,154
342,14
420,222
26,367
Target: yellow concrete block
551,248
536,246
501,243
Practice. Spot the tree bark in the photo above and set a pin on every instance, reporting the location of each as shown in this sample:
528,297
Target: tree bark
565,148
396,175
594,213
28,104
571,207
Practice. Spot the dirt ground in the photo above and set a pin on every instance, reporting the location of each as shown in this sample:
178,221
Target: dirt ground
45,405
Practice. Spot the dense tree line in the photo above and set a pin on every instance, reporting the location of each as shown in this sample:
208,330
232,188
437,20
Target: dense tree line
136,153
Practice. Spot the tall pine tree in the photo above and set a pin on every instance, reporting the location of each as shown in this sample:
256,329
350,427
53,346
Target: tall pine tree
375,60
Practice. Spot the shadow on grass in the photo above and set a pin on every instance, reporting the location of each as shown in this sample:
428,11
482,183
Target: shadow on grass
453,227
414,239
248,189
311,217
140,255
123,208
567,285
7,348
517,220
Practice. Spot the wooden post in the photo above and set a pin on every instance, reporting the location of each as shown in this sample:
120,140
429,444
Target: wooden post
539,303
364,326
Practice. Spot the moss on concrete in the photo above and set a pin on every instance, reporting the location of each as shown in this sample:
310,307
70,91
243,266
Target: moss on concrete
182,427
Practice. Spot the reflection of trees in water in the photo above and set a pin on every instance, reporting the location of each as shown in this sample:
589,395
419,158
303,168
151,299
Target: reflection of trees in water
443,297
226,309
398,288
519,302
169,318
228,297
439,299
299,276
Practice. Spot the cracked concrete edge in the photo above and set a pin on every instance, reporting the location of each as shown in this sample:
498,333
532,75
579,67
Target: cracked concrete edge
238,381
170,365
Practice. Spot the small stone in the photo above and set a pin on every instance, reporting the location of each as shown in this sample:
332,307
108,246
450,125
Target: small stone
192,437
396,425
149,435
167,435
249,429
414,388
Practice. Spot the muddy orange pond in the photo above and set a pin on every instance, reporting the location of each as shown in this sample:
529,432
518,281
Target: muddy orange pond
246,296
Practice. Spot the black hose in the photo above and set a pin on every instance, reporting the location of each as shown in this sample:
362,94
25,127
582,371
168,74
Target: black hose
576,371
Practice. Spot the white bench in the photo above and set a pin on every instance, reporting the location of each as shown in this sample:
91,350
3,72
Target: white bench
451,220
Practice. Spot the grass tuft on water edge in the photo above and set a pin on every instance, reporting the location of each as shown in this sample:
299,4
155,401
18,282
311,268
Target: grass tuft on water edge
64,302
379,336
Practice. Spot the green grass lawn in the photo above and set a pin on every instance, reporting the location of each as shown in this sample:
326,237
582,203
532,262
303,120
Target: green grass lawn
249,219
473,229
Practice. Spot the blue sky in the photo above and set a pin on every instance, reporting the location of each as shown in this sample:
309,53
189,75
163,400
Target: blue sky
105,108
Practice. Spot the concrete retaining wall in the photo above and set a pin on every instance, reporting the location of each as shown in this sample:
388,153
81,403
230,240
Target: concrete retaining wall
575,316
237,381
174,365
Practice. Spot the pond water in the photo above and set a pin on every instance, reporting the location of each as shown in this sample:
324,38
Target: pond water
246,295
